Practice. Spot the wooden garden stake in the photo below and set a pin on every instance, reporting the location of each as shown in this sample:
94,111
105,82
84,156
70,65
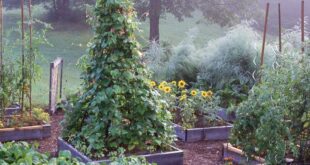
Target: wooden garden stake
264,38
302,26
1,57
1,41
23,53
280,32
31,68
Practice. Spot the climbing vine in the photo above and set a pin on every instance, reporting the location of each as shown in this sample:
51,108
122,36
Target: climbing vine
117,107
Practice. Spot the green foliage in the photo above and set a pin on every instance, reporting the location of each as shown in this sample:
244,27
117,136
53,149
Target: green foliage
181,62
118,158
17,153
232,94
274,119
12,85
41,115
190,107
234,57
117,108
229,65
231,11
12,153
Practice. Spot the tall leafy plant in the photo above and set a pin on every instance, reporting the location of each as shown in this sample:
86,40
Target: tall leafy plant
236,56
10,90
117,108
274,121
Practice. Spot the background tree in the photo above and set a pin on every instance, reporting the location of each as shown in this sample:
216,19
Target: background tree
222,12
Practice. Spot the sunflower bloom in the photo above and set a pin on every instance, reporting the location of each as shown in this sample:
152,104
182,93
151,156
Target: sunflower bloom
183,97
194,92
209,93
167,89
174,83
161,87
204,94
153,83
164,83
182,84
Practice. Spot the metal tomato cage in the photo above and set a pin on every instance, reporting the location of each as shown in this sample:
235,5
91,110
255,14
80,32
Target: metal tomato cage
30,62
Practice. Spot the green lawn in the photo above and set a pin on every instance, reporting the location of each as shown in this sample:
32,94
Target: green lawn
70,42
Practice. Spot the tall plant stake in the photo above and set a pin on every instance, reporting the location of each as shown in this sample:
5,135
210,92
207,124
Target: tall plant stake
302,26
23,54
2,106
31,68
280,28
264,38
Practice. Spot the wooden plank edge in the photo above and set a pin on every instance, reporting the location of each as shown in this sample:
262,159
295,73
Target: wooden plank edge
36,127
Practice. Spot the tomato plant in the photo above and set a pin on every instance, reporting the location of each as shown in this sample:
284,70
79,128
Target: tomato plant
274,121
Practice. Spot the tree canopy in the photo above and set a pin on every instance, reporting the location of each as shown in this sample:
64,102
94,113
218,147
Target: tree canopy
223,12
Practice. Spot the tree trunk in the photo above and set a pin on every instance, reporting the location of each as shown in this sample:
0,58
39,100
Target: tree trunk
155,10
62,9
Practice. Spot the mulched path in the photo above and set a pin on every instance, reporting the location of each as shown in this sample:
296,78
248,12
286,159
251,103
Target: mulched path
199,153
50,144
202,153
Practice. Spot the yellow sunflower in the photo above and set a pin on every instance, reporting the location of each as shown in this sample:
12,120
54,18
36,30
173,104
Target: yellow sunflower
164,83
183,97
204,94
209,93
182,84
161,87
194,92
174,83
167,89
152,83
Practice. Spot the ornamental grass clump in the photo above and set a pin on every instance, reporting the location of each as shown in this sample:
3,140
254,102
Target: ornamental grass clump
117,107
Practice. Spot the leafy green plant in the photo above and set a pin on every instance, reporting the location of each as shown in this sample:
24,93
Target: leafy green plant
117,108
233,94
41,115
13,153
12,85
16,153
234,57
273,122
188,105
118,158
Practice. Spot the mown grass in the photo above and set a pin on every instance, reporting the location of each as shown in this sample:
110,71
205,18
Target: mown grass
70,42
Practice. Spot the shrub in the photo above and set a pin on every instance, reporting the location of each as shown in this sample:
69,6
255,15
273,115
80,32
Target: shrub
180,62
117,108
234,57
275,118
157,57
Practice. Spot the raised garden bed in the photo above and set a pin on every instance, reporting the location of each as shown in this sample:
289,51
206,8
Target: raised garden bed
25,133
12,110
199,134
238,156
164,158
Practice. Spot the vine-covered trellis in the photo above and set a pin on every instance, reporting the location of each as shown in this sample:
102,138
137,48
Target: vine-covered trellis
26,64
